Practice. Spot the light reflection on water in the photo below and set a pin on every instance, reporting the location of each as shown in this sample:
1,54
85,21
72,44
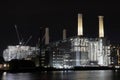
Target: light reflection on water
63,75
16,76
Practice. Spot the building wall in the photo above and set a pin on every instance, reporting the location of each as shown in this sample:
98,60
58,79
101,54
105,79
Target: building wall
79,51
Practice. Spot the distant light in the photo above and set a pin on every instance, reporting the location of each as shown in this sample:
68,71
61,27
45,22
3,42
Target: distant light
4,65
71,39
20,43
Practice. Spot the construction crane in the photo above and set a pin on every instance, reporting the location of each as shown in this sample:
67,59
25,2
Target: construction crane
28,40
20,41
20,51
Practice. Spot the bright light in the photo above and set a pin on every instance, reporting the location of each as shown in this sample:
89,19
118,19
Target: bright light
4,65
80,28
19,52
101,30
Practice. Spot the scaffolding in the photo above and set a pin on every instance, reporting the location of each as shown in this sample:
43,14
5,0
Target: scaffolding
20,52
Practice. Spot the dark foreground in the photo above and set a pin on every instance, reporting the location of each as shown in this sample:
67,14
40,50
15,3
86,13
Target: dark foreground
40,69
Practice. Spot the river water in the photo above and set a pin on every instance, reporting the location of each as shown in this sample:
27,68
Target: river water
63,75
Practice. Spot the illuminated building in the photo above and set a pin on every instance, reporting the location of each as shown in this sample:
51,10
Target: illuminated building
118,54
20,52
115,55
78,50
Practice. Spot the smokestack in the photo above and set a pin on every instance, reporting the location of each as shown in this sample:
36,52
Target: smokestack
80,25
101,27
64,34
46,36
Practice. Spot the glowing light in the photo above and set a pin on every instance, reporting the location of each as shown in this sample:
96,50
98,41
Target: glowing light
80,27
4,65
101,28
19,52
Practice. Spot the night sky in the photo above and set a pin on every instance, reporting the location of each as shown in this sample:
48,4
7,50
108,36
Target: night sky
30,15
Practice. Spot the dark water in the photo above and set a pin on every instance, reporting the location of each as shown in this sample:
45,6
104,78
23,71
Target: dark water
63,75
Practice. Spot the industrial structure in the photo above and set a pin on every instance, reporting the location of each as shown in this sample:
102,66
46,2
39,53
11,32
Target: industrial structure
21,51
78,50
115,55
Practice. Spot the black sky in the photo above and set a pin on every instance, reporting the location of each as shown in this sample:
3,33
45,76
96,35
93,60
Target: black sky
30,15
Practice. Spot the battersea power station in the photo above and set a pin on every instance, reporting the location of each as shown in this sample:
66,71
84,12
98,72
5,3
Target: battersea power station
77,51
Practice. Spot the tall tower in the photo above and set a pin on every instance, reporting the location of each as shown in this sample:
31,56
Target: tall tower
80,25
64,34
46,35
100,46
101,27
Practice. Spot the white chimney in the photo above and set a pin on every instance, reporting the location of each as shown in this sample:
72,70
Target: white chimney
80,25
46,36
64,34
101,27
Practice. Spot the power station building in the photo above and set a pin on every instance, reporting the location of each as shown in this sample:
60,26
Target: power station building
78,50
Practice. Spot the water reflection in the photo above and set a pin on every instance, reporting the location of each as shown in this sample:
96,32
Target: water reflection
63,75
16,76
93,75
